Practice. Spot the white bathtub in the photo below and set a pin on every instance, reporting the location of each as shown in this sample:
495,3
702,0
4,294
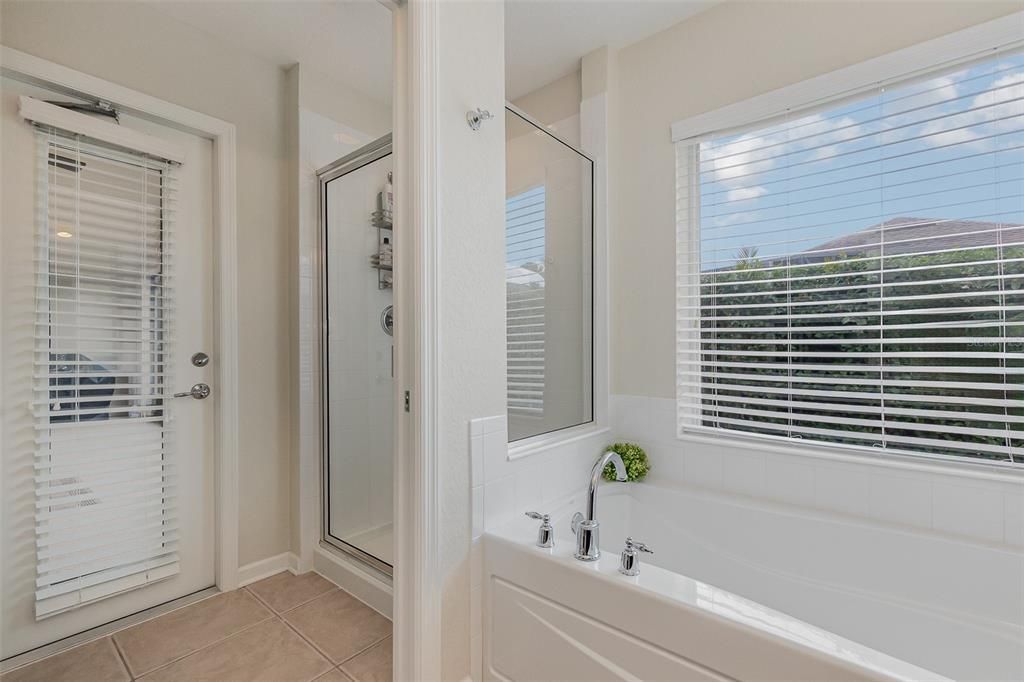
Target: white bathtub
745,590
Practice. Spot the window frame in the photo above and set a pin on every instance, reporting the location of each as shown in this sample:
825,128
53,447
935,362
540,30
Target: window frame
918,62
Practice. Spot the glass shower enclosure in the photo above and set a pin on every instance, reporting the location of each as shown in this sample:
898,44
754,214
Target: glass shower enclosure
357,242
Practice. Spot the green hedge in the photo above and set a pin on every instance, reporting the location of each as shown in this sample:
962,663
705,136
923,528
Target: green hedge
754,281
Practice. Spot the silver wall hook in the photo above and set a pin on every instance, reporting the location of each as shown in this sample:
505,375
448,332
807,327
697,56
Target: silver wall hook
475,118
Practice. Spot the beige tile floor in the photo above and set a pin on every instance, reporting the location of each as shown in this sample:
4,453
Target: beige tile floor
283,628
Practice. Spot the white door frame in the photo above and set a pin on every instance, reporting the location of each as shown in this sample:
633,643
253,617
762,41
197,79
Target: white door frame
417,581
27,68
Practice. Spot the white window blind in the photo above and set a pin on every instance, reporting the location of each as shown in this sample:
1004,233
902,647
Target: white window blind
525,309
854,274
104,464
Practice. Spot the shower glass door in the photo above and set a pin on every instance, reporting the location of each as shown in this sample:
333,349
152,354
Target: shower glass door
357,371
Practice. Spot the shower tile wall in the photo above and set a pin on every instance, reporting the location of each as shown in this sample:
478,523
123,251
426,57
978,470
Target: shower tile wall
359,379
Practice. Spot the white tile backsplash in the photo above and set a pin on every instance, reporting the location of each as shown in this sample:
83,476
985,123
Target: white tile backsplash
967,510
632,417
986,511
990,511
502,487
702,468
902,499
476,458
841,487
494,424
499,501
496,464
789,479
661,418
477,498
529,490
1013,524
743,473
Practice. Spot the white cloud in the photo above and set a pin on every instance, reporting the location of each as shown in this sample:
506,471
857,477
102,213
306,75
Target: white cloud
941,89
733,218
744,193
1000,107
738,163
741,157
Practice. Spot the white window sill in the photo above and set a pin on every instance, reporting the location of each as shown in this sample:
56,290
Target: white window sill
986,471
546,441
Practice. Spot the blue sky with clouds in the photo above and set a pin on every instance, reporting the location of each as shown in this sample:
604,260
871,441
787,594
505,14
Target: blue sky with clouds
949,146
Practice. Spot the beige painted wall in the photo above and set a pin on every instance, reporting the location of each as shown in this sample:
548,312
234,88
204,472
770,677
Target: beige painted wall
319,93
724,55
556,105
134,45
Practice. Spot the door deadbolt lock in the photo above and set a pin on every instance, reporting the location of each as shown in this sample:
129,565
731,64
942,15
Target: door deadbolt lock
198,392
200,359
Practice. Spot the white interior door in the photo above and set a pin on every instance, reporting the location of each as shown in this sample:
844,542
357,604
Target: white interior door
133,468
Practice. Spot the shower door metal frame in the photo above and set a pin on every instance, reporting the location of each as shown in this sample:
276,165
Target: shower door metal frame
364,156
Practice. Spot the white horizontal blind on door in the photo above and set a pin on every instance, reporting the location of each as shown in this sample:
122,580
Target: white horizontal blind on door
855,275
104,464
525,306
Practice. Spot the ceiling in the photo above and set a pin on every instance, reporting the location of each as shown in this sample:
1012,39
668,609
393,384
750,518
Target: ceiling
350,40
346,40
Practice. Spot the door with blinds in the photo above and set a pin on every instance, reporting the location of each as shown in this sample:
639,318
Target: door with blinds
108,502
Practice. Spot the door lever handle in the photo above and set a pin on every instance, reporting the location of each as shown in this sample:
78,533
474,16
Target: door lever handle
198,391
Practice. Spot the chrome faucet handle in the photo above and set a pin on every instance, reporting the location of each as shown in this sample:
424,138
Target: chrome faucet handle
639,546
546,532
629,561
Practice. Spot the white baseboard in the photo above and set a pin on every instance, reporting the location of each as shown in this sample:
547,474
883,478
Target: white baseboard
264,568
358,581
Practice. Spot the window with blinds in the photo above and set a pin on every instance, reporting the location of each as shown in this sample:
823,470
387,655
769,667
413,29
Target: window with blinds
524,302
104,469
853,274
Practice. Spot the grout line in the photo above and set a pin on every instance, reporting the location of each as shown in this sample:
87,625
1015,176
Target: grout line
207,646
334,588
364,650
258,599
324,653
292,608
110,629
308,641
120,655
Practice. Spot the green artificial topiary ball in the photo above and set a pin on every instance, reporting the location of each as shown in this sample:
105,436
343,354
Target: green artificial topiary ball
635,459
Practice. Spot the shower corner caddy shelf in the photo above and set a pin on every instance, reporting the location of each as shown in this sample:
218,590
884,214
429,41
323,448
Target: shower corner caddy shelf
384,227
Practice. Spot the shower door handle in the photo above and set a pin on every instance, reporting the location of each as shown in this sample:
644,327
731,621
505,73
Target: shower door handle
198,391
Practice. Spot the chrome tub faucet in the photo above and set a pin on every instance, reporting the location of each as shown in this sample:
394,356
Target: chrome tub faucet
586,528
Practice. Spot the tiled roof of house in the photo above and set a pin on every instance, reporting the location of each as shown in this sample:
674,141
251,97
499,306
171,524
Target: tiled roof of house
915,235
